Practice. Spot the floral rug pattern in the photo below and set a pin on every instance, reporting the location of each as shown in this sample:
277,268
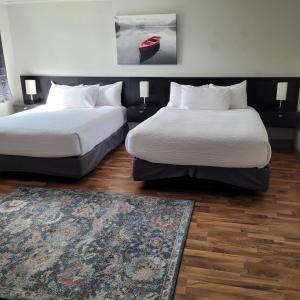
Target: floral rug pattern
60,244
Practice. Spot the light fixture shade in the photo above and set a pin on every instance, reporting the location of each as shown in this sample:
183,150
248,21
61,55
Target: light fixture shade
144,89
30,87
281,91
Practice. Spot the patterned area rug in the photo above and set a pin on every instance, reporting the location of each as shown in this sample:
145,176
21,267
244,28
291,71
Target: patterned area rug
59,244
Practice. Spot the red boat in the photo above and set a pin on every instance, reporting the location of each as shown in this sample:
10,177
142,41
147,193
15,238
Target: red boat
150,43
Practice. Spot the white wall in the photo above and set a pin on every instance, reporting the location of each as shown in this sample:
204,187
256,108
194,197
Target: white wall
215,38
6,108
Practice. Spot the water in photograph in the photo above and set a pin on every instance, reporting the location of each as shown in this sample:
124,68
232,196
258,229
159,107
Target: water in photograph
129,39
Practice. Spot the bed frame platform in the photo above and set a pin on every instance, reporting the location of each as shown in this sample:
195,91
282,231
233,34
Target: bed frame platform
260,93
255,179
69,167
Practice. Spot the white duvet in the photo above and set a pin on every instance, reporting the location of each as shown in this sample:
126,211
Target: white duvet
42,132
234,138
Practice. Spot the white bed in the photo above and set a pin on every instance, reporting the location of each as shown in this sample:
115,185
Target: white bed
43,132
233,138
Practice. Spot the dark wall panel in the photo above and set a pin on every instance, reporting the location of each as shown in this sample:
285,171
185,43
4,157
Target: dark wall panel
261,91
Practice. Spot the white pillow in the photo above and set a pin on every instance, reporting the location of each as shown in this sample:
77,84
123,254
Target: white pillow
205,98
175,99
62,96
80,97
54,99
110,94
238,94
175,95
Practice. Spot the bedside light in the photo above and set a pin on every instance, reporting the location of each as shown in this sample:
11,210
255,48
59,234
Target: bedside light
30,86
144,90
281,92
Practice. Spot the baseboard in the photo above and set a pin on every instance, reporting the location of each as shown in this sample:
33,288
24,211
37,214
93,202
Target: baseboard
282,144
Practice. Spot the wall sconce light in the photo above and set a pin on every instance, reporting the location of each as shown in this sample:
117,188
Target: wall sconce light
30,86
281,92
144,90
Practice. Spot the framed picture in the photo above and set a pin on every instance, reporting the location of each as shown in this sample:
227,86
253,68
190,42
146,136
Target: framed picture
146,39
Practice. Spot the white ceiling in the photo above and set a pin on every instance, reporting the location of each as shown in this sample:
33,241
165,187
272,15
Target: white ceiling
43,1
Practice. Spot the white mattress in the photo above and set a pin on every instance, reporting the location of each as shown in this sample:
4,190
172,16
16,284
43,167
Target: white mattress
42,132
235,138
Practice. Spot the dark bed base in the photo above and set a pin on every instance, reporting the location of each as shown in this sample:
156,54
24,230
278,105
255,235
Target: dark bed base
69,167
248,178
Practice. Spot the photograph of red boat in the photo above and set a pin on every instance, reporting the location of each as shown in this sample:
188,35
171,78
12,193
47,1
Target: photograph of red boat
146,39
150,43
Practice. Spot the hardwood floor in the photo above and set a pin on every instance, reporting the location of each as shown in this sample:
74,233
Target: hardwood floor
240,246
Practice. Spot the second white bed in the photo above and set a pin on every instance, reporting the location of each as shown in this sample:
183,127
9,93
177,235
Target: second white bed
234,138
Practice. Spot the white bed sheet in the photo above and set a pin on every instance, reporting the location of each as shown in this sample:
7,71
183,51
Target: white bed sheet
235,138
44,132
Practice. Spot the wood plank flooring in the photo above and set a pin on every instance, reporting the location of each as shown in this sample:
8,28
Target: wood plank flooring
240,246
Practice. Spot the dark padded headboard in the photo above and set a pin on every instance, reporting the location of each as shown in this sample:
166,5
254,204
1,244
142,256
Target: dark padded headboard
261,90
